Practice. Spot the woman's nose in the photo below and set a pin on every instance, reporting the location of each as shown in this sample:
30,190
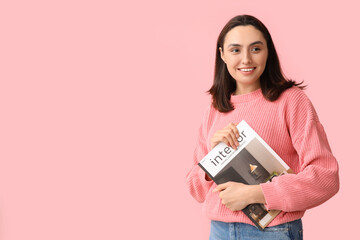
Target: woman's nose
246,58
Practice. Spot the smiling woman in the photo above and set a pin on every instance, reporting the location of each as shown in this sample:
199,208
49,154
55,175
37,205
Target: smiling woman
245,54
246,59
249,85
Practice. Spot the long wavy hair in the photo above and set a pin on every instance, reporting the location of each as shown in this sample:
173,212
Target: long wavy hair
273,81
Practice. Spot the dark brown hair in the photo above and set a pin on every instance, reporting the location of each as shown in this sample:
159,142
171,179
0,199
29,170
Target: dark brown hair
272,80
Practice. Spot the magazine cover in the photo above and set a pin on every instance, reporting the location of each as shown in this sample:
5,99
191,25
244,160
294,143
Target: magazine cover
253,162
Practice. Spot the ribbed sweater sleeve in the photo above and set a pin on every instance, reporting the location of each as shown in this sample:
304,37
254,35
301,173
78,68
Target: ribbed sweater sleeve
196,182
317,178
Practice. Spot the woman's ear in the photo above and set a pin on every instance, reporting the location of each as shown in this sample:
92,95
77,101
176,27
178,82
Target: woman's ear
222,54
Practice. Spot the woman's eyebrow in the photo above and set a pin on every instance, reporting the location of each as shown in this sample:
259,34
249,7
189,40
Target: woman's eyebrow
238,45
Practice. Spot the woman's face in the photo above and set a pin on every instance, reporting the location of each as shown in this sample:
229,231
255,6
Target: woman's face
245,53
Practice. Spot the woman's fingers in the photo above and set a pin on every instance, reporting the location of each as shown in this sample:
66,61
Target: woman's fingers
234,138
228,135
230,141
232,135
235,130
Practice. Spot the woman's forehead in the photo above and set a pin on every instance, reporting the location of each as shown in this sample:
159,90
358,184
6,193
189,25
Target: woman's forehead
243,35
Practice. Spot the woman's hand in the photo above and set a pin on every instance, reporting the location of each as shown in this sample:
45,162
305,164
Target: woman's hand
228,135
236,196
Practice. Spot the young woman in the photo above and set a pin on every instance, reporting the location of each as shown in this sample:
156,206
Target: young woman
249,85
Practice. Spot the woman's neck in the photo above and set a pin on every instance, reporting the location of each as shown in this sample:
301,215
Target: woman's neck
244,89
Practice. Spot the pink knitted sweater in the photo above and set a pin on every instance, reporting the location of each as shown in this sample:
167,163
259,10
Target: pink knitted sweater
291,127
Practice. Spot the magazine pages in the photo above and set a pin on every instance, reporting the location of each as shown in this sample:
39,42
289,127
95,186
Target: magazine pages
253,162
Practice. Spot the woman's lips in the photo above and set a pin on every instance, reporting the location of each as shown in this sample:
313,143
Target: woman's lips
247,70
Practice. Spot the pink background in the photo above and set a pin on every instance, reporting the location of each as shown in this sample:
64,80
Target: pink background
100,103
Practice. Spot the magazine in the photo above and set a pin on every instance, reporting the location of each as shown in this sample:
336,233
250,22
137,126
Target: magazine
253,162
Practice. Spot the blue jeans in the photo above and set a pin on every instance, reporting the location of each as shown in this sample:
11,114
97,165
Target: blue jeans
242,231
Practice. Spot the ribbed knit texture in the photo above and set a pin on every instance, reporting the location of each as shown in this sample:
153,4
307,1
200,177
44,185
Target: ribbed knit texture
291,127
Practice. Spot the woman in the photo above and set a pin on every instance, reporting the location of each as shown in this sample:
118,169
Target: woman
249,85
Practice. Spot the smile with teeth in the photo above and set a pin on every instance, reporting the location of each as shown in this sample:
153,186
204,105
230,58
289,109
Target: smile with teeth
246,69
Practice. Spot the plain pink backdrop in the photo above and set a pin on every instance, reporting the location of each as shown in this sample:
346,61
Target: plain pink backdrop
100,103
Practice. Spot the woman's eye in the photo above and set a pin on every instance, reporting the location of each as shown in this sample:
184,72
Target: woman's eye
255,49
235,50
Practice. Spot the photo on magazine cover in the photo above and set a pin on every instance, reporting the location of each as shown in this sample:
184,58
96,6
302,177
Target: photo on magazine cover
252,165
243,168
265,158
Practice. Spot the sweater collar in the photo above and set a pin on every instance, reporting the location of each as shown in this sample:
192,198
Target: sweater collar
246,97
